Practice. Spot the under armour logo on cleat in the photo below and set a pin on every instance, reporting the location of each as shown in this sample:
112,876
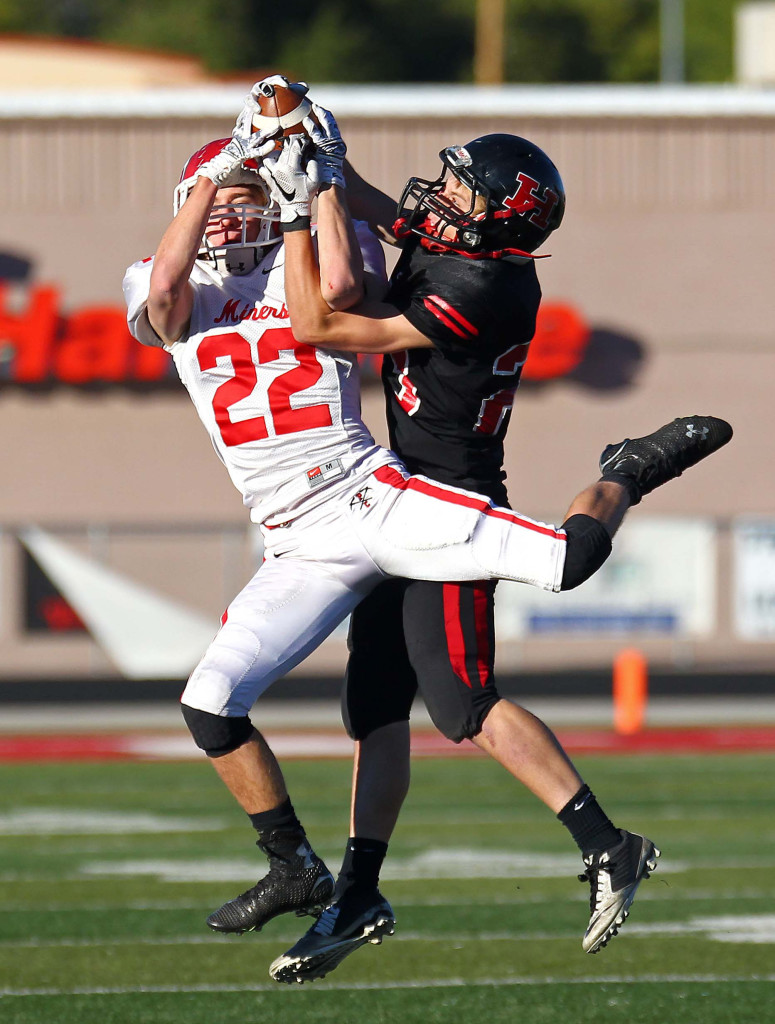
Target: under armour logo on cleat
692,431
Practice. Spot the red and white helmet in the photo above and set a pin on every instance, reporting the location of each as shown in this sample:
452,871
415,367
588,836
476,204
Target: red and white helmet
234,257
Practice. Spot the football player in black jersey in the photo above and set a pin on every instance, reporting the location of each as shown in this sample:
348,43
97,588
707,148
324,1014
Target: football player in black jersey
455,327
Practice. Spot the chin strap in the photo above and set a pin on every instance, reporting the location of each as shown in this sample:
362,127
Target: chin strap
233,261
490,254
402,231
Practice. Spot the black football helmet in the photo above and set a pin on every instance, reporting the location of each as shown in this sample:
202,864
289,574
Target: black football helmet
524,199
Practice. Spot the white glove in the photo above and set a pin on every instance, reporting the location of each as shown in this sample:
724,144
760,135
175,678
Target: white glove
227,167
243,127
330,145
292,180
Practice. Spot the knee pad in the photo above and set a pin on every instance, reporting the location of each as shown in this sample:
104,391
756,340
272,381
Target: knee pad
588,546
216,734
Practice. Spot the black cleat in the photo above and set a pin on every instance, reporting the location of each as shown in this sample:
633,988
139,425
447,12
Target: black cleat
300,884
614,876
348,923
662,456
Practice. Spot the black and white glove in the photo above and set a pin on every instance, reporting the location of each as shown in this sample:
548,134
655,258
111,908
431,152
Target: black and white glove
330,146
291,176
227,167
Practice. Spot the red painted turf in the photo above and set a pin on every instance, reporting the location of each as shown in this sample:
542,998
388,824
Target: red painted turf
143,746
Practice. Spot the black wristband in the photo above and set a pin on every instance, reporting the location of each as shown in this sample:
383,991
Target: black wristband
299,224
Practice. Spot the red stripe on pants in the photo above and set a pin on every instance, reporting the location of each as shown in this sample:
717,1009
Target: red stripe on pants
482,632
456,644
390,476
456,641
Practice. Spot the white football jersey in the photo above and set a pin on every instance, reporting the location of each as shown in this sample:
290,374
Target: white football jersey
283,417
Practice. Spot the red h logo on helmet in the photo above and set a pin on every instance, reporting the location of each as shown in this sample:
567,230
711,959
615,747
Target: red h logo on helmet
527,198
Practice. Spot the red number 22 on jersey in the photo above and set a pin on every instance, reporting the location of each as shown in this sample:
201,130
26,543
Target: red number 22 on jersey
286,419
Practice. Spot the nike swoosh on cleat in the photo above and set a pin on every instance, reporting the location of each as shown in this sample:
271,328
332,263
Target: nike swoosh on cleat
611,458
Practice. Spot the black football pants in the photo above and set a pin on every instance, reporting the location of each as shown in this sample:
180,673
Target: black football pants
411,635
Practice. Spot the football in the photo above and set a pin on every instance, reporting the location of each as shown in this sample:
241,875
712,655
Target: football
279,104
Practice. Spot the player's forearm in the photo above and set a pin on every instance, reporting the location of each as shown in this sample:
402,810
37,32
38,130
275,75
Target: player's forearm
309,312
341,262
178,248
313,322
368,327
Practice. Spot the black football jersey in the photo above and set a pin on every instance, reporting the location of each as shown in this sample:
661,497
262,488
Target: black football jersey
448,406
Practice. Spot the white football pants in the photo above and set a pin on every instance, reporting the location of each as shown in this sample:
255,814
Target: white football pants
320,564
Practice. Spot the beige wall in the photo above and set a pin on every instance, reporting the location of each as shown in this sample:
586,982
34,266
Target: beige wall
668,242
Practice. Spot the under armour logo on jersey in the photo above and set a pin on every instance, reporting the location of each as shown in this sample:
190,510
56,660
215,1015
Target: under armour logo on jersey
692,431
361,499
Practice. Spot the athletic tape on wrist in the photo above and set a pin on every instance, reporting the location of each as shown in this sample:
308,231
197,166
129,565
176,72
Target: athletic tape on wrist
299,224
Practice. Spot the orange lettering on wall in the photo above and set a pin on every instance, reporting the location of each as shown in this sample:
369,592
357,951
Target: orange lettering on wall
94,348
27,338
559,344
91,346
150,364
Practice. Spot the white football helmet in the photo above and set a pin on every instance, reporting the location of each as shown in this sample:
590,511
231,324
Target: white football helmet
234,257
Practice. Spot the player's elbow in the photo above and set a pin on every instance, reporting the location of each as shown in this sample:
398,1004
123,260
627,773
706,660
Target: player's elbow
163,293
308,331
342,293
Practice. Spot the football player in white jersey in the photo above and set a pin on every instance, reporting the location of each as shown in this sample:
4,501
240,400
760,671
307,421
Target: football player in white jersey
338,513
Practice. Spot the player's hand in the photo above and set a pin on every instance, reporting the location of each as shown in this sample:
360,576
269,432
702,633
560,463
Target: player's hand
291,176
226,167
330,145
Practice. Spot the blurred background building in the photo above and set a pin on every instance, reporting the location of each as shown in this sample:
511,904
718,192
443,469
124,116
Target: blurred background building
121,538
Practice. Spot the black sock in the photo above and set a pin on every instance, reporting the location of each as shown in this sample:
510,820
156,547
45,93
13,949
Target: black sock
630,485
282,818
280,833
591,828
361,864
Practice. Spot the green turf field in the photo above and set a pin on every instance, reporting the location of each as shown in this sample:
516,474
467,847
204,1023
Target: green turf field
108,871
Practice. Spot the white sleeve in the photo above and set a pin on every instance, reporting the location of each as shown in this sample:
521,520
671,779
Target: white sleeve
371,249
137,282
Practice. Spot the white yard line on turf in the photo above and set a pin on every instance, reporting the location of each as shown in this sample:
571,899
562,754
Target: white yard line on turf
737,928
433,864
611,979
502,899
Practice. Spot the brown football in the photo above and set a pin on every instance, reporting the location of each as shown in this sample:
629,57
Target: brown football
281,104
